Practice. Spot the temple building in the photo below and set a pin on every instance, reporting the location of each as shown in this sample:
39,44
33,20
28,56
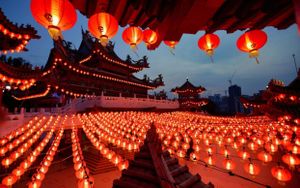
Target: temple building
189,96
99,71
278,101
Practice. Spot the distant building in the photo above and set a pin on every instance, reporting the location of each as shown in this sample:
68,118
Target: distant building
235,106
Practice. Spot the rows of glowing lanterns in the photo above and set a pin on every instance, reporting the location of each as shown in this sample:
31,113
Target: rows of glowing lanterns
20,83
59,16
253,140
28,136
23,37
220,136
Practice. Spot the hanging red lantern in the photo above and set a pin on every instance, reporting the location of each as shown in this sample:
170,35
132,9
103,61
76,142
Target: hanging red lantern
209,160
291,159
55,15
86,183
9,180
208,43
132,36
103,26
281,174
171,43
251,42
228,164
149,37
251,168
264,156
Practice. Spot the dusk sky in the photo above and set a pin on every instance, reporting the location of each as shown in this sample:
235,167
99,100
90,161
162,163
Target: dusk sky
188,61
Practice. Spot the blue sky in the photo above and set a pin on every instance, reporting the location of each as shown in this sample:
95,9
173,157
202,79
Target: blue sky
188,61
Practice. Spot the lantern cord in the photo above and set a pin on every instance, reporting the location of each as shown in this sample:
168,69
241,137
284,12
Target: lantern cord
211,59
171,50
256,60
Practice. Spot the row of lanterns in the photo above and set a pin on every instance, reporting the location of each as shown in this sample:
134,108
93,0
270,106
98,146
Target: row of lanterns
58,16
80,167
213,133
12,178
179,132
90,131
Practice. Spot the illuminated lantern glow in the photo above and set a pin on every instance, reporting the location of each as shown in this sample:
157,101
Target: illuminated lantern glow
149,37
34,184
194,156
251,168
19,171
86,183
264,156
103,26
55,15
171,44
9,180
290,159
123,165
180,153
228,164
208,43
281,174
251,42
243,154
272,148
209,160
132,36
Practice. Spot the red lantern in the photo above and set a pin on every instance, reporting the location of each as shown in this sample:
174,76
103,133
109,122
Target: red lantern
264,156
251,168
55,15
208,43
171,43
291,159
228,164
35,184
103,26
281,174
251,42
132,36
209,160
243,154
150,37
9,180
86,182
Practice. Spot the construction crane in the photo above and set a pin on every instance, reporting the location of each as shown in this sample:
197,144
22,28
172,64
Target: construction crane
230,79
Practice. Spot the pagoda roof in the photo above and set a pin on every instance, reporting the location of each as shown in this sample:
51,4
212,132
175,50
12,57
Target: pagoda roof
171,19
293,88
91,47
188,87
13,37
153,168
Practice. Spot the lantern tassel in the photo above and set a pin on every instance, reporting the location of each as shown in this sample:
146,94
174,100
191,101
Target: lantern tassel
211,59
256,60
171,51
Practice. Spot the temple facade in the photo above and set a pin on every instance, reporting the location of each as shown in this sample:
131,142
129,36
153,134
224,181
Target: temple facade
188,96
278,101
92,70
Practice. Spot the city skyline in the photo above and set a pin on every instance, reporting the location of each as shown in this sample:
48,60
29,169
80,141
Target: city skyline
188,61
